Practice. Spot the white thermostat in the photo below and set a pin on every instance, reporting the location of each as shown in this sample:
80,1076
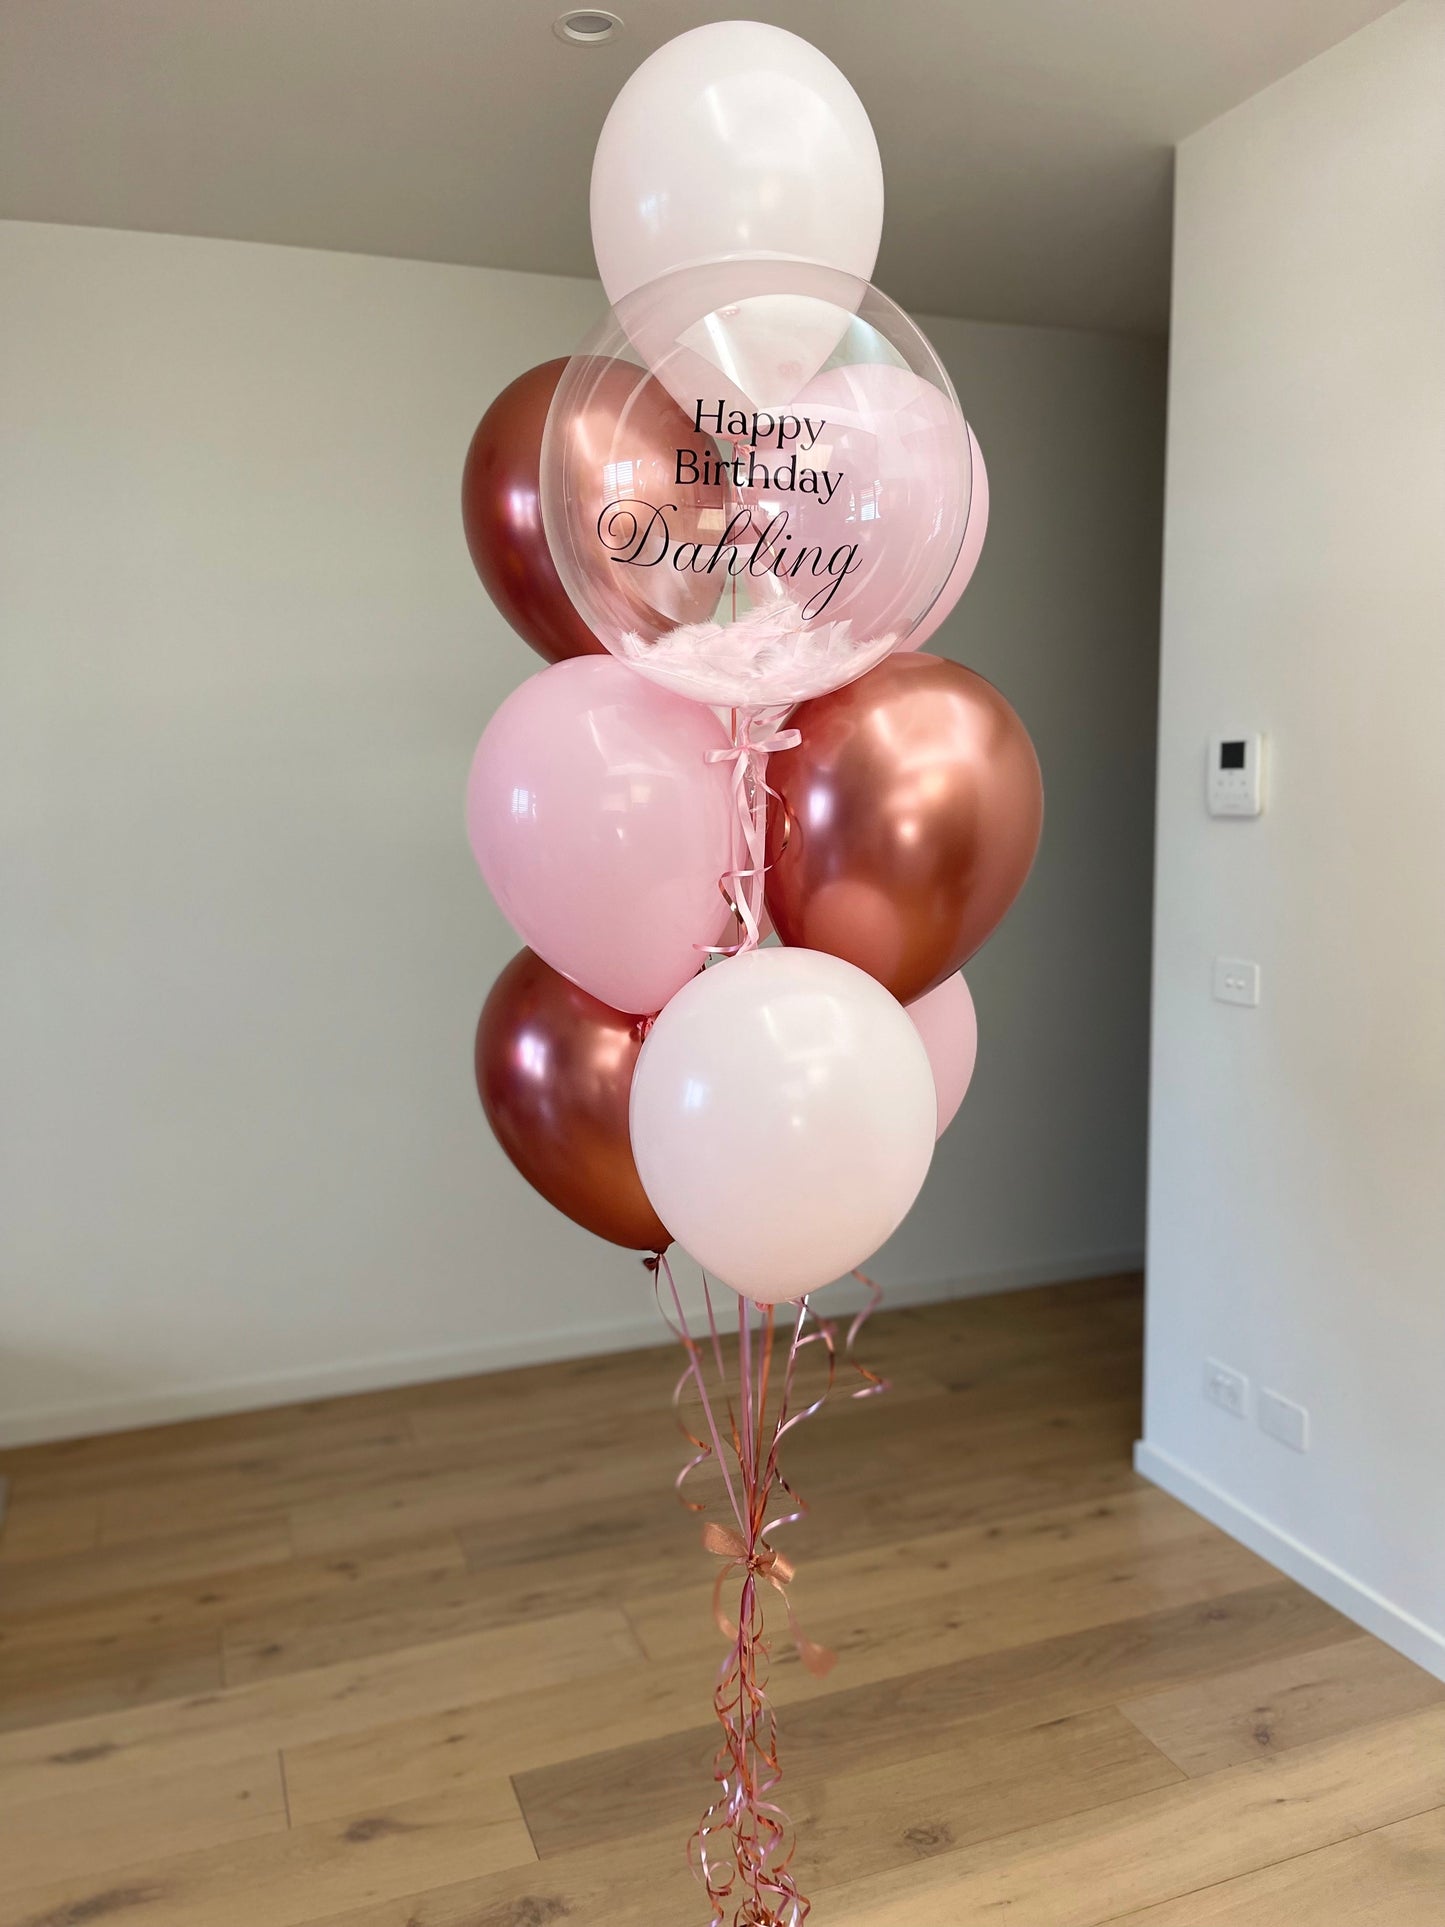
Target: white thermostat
1236,775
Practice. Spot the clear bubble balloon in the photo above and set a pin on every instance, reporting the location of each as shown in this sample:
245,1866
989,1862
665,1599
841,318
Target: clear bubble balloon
809,507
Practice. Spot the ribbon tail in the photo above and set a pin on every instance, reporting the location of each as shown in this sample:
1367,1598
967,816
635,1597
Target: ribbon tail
873,1382
725,1626
819,1660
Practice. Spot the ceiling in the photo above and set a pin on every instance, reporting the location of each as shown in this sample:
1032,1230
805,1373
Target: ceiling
1026,143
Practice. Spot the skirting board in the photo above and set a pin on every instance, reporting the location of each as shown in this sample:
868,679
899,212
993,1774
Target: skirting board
334,1380
1316,1574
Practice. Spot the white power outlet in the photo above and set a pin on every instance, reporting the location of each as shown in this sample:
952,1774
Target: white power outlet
1225,1387
1284,1420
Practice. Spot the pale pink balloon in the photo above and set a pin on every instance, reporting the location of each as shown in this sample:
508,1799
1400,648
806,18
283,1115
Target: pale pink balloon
782,1119
735,138
948,1024
602,828
975,530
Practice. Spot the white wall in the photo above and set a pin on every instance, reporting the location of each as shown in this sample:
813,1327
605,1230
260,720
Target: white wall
1297,1193
245,664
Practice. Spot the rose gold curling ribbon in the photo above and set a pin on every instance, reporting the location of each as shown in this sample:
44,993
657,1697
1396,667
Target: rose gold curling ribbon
873,1382
742,1849
750,1827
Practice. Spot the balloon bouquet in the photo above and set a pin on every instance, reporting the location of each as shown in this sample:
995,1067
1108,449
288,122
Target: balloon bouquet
729,521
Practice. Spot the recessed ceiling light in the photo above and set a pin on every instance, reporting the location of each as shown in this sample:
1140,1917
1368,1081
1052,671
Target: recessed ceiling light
588,27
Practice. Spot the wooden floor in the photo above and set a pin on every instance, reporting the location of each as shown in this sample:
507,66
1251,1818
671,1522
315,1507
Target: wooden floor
443,1657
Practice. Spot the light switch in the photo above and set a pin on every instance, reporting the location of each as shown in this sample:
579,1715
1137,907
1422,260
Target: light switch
1236,980
1285,1421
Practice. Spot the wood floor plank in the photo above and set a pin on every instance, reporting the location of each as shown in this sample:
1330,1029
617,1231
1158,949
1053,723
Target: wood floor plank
383,1463
71,1682
1074,1417
860,1812
643,1881
118,1462
179,1496
638,1406
286,1879
209,1728
402,1507
40,1528
587,1480
1172,1845
48,1585
851,1825
506,1487
142,1820
924,1622
850,1514
419,1608
655,1560
622,1789
213,1600
651,1734
1393,1877
1287,1703
1134,1854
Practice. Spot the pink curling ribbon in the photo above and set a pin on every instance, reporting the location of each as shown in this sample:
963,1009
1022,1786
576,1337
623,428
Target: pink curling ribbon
755,736
762,1562
742,1849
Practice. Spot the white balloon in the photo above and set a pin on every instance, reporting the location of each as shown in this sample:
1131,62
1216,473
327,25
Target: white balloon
736,138
783,1118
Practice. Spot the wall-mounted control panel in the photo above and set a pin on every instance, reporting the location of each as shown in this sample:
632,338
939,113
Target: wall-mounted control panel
1236,775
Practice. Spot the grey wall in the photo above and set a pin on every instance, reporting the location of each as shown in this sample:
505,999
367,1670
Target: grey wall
245,665
1042,1174
1297,1203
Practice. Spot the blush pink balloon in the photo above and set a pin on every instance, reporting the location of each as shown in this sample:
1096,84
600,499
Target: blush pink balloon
948,1024
602,828
975,530
891,456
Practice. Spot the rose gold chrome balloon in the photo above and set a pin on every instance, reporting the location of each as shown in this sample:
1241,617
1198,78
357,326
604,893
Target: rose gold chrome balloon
502,518
914,806
630,466
554,1070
